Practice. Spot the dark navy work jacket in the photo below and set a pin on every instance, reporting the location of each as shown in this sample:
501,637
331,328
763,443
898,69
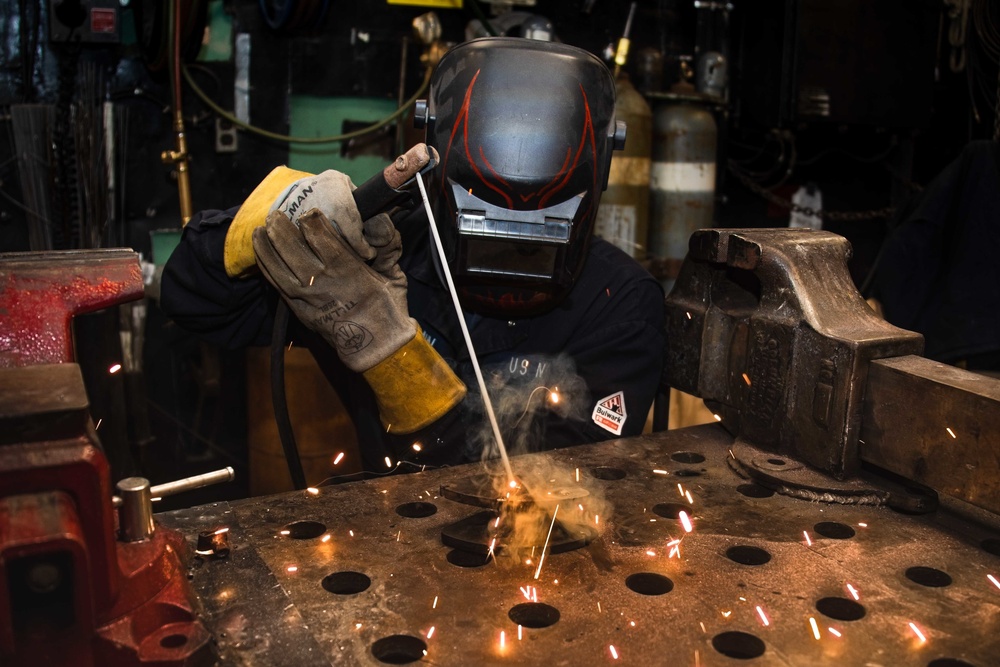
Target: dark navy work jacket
584,372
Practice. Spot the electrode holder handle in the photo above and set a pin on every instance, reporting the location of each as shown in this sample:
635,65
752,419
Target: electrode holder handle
135,502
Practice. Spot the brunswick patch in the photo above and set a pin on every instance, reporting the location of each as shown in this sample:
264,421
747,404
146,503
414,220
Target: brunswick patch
610,413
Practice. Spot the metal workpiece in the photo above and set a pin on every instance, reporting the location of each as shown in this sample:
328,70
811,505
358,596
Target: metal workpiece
767,326
693,565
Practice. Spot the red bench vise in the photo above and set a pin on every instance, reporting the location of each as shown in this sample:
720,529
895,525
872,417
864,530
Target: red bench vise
72,592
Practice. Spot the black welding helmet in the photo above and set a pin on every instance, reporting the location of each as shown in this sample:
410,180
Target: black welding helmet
525,130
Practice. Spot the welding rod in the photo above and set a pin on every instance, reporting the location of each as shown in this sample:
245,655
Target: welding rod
465,329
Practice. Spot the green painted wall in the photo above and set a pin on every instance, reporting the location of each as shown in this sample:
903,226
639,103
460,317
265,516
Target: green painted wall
311,116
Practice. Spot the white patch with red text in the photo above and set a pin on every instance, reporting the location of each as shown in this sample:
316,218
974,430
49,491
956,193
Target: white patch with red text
610,413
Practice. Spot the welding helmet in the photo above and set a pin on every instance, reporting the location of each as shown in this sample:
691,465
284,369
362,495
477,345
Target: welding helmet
525,131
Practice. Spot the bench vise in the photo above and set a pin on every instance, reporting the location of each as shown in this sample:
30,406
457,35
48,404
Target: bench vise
75,587
768,328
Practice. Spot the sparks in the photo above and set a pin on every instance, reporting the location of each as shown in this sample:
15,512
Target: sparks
435,604
578,479
541,559
687,494
746,378
388,462
579,506
519,632
726,614
311,280
853,591
503,639
398,534
117,367
312,490
597,519
835,632
994,580
496,523
809,542
430,633
680,489
489,554
417,447
286,532
99,423
688,314
719,419
685,521
916,631
815,628
632,623
863,525
293,568
650,552
327,537
525,591
598,607
657,471
351,532
950,432
222,531
339,458
357,626
763,617
554,396
703,628
290,344
614,653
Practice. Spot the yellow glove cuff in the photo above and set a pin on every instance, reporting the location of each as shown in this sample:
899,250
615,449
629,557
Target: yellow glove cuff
414,387
238,254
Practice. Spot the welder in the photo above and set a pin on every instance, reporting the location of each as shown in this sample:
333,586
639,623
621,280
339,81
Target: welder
568,329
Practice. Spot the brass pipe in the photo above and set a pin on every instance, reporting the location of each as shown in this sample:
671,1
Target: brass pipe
179,157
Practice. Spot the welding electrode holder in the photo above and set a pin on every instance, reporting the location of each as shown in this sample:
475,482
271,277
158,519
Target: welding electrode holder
135,500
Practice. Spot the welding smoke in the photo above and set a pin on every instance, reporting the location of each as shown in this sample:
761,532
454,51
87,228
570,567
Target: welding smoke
536,403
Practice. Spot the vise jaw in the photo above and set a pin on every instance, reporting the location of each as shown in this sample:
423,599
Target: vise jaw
768,328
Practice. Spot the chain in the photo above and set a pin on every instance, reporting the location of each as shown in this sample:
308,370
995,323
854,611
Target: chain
870,214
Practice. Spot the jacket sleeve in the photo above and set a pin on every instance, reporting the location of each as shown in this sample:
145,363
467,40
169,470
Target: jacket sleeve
200,297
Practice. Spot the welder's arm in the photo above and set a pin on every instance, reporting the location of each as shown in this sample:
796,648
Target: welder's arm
198,295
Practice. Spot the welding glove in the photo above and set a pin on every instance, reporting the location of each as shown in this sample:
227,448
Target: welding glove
294,193
359,307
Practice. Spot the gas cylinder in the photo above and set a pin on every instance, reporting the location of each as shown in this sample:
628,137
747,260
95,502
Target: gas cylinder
682,178
623,215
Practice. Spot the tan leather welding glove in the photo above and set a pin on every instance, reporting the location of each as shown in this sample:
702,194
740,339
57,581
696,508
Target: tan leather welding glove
330,192
360,309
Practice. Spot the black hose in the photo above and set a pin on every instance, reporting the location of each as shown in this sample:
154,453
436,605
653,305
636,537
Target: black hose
278,399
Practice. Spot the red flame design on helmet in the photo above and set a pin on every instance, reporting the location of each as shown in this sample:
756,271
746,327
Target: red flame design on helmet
499,185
